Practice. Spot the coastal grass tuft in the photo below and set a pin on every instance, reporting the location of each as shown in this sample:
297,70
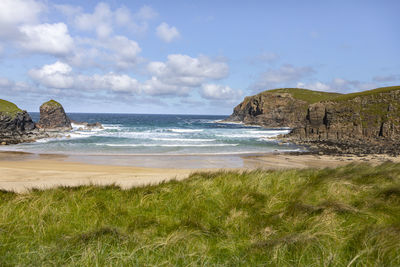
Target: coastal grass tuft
306,95
347,216
8,108
376,91
52,103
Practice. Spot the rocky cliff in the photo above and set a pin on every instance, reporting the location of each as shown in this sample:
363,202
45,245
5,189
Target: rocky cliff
16,125
366,122
277,108
53,117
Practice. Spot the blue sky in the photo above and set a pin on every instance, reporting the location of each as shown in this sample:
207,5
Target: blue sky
191,57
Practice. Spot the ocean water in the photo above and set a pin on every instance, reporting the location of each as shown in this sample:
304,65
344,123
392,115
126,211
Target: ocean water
141,134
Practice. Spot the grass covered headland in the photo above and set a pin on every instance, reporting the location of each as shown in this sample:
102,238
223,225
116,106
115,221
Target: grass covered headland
346,216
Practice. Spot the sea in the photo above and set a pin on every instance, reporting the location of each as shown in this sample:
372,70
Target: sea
154,134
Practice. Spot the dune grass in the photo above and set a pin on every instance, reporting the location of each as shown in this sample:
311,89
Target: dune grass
349,216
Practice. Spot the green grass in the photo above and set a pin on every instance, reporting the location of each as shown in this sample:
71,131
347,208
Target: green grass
8,108
52,103
309,96
366,93
349,216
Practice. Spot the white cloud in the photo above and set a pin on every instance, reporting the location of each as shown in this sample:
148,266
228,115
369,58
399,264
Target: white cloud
100,20
103,20
284,74
60,76
183,69
318,86
220,92
4,82
146,13
46,38
125,51
167,33
57,75
11,87
180,73
155,86
176,77
14,12
118,52
108,82
123,16
338,85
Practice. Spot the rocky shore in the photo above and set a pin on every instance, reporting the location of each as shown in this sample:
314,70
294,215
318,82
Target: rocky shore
16,125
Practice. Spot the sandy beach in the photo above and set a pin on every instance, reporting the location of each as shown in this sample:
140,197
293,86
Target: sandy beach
22,171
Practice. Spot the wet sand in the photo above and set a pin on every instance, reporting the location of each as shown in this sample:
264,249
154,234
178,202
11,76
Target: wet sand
22,171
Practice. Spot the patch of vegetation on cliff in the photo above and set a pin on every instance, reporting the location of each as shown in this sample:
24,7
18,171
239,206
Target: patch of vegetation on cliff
8,108
376,107
366,93
52,103
307,95
331,217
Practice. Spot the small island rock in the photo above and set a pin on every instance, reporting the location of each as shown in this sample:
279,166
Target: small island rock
53,117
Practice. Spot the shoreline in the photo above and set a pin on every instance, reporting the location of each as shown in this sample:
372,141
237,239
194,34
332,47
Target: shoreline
21,171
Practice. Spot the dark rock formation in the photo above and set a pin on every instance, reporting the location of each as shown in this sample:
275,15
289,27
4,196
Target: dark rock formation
53,117
277,108
356,123
272,110
16,125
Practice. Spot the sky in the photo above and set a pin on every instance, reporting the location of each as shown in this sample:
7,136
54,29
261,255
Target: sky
188,56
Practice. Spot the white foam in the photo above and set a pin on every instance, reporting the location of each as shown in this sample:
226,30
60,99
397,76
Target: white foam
185,130
166,145
112,126
138,135
254,134
183,139
45,140
268,132
228,122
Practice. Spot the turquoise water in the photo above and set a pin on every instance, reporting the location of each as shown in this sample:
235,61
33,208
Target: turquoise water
137,134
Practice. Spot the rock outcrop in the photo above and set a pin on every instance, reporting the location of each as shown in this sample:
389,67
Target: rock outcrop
53,117
277,108
367,122
16,125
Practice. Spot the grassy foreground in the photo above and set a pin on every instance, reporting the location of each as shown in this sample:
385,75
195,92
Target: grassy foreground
349,216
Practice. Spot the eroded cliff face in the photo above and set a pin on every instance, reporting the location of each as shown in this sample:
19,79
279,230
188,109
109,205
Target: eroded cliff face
364,124
53,117
16,128
373,117
273,110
